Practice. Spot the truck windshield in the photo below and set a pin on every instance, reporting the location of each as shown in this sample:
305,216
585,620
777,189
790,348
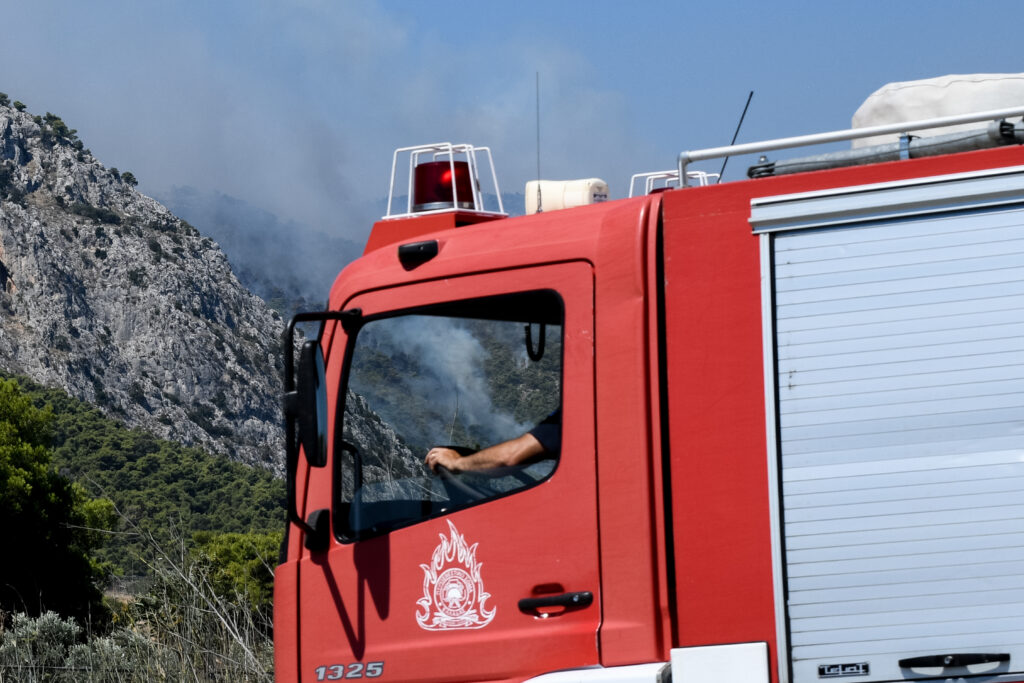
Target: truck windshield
466,376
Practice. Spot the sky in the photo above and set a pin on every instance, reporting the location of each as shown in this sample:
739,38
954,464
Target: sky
296,106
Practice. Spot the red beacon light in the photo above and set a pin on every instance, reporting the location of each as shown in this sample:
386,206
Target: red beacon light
444,177
433,187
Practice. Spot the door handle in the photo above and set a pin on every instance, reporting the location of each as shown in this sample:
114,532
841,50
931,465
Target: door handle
567,601
950,660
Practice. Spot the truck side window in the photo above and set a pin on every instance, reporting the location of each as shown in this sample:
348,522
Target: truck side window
465,376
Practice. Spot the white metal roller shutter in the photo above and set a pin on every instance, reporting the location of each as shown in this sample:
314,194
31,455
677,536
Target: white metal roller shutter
900,371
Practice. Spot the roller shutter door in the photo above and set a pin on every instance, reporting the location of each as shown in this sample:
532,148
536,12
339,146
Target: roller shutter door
899,342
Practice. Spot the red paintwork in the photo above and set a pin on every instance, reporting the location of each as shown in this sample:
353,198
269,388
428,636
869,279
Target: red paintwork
599,520
399,230
716,406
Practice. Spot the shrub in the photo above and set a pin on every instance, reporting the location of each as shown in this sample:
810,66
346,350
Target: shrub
20,106
55,130
137,394
181,629
51,521
95,213
129,178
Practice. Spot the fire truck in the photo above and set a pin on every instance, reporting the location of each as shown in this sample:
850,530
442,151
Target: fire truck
788,416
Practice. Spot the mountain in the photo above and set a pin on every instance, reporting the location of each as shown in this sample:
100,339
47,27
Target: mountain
290,265
108,295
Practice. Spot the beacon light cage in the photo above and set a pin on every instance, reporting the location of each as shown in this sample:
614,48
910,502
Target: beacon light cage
453,153
671,180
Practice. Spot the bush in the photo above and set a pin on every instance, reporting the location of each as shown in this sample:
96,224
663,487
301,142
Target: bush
180,629
241,564
161,484
20,106
6,175
55,130
49,520
137,276
95,213
129,178
34,648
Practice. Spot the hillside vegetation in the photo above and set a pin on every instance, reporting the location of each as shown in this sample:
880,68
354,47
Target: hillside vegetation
203,532
162,487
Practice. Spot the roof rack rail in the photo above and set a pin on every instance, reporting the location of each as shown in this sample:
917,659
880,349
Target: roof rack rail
688,157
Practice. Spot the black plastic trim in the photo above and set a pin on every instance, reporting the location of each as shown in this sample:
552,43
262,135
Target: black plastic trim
415,254
666,446
570,601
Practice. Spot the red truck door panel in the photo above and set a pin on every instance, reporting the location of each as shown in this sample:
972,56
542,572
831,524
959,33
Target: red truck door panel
424,577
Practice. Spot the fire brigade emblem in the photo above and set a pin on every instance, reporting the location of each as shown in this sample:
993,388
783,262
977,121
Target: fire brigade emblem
453,592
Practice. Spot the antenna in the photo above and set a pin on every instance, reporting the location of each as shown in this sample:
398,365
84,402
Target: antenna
737,133
540,208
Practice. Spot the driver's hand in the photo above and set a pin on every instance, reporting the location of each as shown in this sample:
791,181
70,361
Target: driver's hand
445,457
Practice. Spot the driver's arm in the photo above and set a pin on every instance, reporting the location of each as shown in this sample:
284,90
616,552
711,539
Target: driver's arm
504,454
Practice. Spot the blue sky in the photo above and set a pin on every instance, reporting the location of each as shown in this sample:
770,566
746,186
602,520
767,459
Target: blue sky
296,105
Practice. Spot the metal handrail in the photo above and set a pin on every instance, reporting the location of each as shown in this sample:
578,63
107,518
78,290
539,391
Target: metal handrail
688,157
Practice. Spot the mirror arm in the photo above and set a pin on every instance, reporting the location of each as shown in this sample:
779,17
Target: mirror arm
290,402
348,318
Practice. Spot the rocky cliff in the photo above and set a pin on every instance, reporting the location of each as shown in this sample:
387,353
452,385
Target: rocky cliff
105,293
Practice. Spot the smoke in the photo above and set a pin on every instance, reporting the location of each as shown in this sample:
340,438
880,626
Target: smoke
296,107
434,377
455,360
289,264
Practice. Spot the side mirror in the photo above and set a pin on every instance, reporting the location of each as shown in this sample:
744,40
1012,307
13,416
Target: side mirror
311,405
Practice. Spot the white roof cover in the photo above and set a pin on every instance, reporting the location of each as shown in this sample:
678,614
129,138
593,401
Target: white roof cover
934,97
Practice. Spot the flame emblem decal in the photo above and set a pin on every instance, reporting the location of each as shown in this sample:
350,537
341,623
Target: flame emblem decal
453,593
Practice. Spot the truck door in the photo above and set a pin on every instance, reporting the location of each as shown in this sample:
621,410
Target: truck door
460,576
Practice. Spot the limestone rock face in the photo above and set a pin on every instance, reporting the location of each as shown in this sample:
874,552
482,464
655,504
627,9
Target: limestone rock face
105,293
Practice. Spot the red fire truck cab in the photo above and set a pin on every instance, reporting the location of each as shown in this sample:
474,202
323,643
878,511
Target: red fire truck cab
779,431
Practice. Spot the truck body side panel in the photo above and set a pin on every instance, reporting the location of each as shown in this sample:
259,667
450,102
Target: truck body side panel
900,389
722,501
716,420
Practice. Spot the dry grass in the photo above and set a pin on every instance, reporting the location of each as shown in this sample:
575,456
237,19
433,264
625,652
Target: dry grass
181,629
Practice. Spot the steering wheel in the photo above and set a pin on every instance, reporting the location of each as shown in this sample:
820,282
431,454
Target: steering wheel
451,482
